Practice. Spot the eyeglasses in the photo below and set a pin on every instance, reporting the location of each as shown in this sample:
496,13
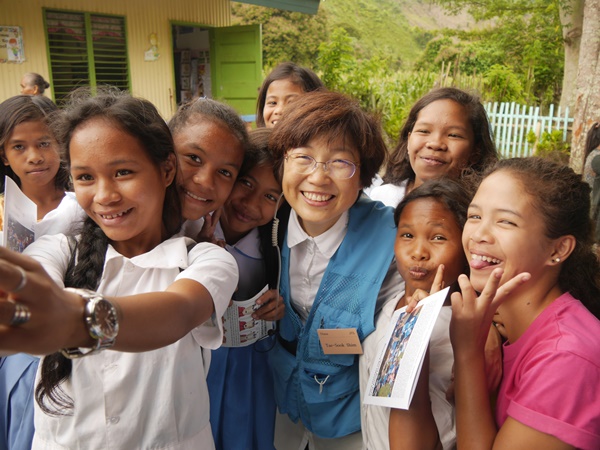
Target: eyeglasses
342,169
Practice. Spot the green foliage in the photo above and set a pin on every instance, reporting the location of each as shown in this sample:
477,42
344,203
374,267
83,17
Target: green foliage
377,28
336,58
371,50
524,36
502,82
287,36
550,145
389,94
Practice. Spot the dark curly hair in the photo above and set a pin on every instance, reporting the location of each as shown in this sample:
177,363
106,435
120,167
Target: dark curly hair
563,200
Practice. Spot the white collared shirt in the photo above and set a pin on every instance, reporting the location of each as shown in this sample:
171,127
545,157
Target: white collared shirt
66,218
389,194
153,399
375,420
309,258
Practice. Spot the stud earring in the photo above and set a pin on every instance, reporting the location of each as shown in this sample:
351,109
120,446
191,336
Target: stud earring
557,260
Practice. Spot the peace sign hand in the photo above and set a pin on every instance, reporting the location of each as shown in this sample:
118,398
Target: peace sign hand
472,315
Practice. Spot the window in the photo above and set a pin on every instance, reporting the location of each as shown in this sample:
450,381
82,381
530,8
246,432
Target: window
86,50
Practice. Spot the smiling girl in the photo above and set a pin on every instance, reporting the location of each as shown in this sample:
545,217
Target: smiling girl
446,132
528,231
240,383
337,269
283,85
210,141
143,294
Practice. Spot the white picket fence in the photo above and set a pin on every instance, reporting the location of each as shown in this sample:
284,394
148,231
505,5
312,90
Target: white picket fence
511,122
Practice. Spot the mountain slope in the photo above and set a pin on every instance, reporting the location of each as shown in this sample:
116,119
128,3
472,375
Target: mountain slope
389,27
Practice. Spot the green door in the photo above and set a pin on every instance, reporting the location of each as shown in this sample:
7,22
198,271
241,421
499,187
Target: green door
236,66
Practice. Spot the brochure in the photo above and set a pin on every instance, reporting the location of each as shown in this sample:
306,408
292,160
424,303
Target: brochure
20,217
239,328
397,367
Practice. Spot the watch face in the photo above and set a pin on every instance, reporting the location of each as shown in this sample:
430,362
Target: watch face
105,320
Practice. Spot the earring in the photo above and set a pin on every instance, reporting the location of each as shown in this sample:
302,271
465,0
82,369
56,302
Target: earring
557,260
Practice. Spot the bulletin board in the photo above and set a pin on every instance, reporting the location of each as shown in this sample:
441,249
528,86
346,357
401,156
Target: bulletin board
11,45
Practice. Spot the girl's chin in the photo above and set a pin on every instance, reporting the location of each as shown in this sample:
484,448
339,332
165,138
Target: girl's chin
478,282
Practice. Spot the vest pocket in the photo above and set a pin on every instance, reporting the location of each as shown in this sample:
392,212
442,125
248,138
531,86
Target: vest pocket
320,383
327,378
333,411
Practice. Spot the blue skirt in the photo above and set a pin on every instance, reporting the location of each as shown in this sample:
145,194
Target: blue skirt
242,398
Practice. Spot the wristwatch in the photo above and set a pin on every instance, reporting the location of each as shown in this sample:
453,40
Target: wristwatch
101,320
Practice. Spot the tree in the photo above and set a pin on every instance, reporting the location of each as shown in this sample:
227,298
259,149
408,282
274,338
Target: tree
587,103
571,18
523,36
287,36
562,17
336,59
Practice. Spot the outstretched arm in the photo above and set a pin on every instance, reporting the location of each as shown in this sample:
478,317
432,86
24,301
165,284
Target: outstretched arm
147,321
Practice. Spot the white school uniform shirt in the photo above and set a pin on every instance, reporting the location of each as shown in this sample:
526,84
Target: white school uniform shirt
309,258
153,399
389,194
375,420
66,218
191,228
375,181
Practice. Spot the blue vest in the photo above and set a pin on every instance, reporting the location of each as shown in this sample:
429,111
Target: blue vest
323,390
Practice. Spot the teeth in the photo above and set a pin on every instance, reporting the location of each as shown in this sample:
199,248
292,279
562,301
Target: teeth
195,197
486,259
317,197
112,216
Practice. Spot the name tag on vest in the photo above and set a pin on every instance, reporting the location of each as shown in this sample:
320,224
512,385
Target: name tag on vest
340,341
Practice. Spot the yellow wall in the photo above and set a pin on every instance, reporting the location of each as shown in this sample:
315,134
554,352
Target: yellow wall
151,80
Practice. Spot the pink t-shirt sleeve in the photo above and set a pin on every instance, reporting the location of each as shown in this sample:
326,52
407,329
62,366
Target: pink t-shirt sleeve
558,394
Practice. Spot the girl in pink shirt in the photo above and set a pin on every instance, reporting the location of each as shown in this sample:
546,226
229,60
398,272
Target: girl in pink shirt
528,238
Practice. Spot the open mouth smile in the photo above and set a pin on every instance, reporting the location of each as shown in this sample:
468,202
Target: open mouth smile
195,197
115,216
316,197
483,261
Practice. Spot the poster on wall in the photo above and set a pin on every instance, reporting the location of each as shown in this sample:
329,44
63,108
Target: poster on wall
11,45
